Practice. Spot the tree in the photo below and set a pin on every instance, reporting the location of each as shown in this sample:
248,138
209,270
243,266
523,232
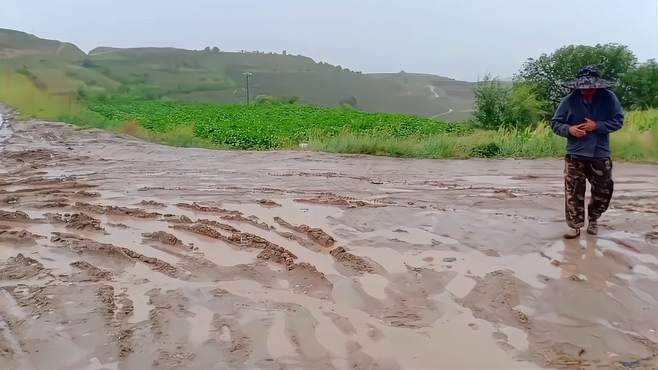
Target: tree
638,88
215,49
546,73
207,49
491,99
497,105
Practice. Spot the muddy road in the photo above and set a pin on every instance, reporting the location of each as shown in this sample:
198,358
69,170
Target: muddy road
122,254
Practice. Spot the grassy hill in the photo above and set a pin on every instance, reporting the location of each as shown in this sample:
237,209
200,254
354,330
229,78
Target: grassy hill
16,44
190,75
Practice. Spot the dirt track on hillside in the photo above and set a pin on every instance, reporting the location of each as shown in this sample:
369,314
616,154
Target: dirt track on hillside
121,254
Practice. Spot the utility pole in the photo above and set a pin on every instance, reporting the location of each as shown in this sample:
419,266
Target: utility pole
247,75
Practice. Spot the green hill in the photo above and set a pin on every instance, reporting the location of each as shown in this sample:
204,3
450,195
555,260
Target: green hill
16,44
218,76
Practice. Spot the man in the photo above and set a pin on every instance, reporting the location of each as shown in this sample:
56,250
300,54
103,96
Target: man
586,117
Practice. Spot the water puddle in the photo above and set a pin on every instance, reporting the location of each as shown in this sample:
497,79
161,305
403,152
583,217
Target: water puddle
5,131
374,285
293,212
278,341
517,338
409,235
200,324
460,286
218,252
526,267
324,262
451,338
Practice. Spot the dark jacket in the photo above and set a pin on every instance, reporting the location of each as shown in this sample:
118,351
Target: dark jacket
605,109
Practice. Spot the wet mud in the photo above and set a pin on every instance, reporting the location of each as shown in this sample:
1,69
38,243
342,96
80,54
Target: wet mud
122,254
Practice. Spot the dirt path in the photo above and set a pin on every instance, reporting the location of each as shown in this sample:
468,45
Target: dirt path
121,254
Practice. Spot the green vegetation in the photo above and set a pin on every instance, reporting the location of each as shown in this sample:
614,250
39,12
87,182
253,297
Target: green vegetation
636,86
638,141
20,91
268,125
639,87
498,105
154,94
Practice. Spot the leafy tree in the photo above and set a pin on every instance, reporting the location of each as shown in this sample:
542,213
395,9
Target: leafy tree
491,98
497,105
638,88
547,72
524,108
215,49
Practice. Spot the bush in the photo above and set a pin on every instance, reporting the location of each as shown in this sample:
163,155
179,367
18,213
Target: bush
487,150
491,98
523,109
267,99
499,106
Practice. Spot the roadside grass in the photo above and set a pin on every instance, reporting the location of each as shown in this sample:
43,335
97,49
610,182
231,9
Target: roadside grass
479,143
637,141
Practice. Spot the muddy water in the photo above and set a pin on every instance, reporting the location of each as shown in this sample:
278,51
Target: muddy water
4,128
196,259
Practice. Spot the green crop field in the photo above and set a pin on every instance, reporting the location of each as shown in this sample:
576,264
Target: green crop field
266,125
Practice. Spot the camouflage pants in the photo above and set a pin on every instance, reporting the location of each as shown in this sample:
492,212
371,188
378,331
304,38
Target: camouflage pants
576,173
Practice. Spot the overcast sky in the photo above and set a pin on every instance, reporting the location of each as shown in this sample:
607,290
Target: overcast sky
463,39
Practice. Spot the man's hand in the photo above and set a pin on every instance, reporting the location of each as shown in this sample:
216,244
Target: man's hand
589,125
577,131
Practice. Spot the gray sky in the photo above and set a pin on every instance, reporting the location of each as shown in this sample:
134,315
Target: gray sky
463,39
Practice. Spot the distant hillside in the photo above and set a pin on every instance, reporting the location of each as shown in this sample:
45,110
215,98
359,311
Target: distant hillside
15,44
218,76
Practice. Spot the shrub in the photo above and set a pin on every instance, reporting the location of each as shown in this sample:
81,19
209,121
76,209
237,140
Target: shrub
499,106
268,99
487,150
523,108
491,99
